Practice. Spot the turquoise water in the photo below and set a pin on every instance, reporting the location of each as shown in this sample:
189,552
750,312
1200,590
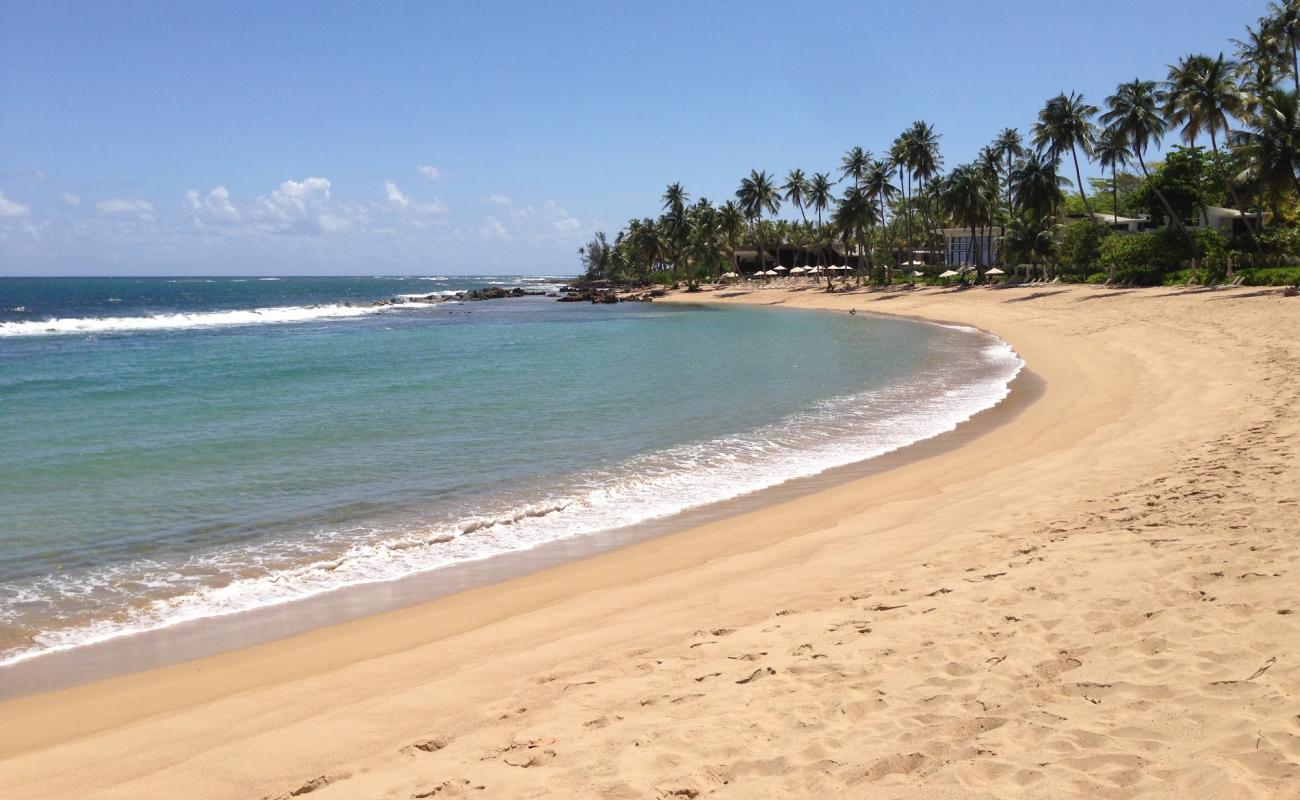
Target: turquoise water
199,447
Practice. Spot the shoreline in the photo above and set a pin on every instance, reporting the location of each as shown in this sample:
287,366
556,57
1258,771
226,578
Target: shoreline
1059,522
207,636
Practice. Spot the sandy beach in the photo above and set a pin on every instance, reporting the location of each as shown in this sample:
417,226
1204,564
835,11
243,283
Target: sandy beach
1094,597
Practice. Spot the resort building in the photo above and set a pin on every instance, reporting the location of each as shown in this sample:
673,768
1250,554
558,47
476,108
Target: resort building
959,247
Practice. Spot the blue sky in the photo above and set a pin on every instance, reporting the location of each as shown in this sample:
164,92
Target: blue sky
436,138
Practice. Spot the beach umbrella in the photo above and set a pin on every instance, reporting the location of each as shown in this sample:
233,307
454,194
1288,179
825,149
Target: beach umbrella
914,263
730,275
798,271
995,271
781,269
949,274
917,274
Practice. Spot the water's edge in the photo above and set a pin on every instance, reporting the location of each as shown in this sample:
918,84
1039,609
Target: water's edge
209,636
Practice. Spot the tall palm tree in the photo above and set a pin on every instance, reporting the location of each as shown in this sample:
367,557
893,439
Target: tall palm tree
796,190
876,184
1133,112
854,165
1008,147
899,156
1065,123
819,199
1258,61
1201,94
819,193
1283,21
1112,151
731,228
1036,185
674,225
924,163
758,194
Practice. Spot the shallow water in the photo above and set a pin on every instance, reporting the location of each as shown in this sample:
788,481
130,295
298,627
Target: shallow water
185,449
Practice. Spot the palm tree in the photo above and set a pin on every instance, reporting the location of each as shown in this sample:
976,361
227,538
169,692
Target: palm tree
758,194
1036,185
1133,113
1008,146
703,247
1283,22
853,219
1201,96
674,225
731,227
899,157
1112,151
1270,147
854,165
1065,123
1258,61
1030,238
969,197
819,193
924,163
877,187
796,190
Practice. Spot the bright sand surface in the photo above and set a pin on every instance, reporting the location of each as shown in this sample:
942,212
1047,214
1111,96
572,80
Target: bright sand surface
1098,598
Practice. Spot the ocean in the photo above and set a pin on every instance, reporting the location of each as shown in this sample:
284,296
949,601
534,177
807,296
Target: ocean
187,448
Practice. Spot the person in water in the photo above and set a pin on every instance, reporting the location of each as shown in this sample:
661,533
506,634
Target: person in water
852,312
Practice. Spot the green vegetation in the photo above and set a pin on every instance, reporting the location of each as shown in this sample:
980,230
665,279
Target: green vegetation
1225,203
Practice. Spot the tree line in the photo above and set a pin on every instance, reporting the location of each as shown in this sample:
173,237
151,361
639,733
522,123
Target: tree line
1237,117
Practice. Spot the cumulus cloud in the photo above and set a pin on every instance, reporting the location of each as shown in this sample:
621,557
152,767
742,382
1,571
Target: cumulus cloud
71,200
431,172
303,207
12,208
499,199
215,207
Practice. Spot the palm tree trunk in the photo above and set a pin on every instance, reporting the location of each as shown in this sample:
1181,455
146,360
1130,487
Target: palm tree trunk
907,207
1079,177
1295,64
1114,195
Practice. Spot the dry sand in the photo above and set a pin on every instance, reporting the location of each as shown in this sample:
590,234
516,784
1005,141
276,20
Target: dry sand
1100,598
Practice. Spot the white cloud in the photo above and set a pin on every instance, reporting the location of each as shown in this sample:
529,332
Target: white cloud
499,199
493,228
431,172
305,208
397,199
395,196
215,207
300,207
70,199
11,208
118,205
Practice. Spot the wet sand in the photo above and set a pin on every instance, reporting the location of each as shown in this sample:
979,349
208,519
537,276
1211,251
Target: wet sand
1097,598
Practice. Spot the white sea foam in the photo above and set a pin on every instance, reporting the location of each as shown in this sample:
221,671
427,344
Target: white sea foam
203,319
827,434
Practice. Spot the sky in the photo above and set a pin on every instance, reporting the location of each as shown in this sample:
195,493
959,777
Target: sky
146,138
